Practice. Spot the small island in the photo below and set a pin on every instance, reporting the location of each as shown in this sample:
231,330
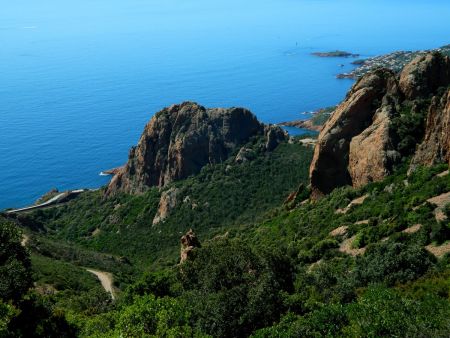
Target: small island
336,53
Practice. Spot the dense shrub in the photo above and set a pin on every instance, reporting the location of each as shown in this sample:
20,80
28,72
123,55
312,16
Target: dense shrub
408,127
14,263
392,263
381,312
231,290
160,284
152,317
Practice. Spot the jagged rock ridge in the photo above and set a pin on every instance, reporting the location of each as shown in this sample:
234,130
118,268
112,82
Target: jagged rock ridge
358,144
181,139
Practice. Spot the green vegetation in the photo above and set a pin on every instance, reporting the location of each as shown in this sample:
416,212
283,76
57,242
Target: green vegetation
15,263
24,313
409,126
378,312
265,268
322,115
212,202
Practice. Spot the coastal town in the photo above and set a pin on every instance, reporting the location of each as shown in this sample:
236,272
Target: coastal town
394,61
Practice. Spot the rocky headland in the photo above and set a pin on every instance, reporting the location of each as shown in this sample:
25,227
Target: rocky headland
305,124
386,117
181,139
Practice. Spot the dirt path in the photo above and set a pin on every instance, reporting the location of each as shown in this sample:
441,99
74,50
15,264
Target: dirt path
106,279
440,201
439,251
356,201
347,247
25,239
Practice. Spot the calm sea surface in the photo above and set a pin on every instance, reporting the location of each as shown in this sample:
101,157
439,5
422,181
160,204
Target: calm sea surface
80,78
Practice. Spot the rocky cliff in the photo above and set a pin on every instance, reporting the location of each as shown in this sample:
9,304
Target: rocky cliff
181,139
365,137
435,147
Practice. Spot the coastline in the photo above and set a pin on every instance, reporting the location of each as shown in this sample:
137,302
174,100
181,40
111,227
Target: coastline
111,172
394,61
314,123
305,124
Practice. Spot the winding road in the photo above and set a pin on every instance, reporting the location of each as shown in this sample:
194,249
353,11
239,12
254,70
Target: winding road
54,200
106,279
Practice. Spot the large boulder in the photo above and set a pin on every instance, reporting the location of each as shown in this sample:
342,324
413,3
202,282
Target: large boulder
181,139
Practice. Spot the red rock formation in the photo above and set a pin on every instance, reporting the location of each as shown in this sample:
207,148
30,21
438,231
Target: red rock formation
435,147
357,145
188,243
329,168
167,203
179,140
424,75
372,153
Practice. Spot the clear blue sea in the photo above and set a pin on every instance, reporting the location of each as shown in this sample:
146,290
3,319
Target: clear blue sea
80,78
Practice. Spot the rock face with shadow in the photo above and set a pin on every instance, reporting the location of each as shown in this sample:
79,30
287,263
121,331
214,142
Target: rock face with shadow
181,139
360,144
435,147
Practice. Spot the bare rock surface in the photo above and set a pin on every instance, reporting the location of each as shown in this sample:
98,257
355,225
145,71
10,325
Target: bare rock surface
412,229
424,75
359,143
435,147
347,247
181,139
167,203
340,231
329,167
371,154
439,250
188,243
356,201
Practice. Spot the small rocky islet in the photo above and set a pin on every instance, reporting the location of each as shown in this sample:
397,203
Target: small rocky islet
334,54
